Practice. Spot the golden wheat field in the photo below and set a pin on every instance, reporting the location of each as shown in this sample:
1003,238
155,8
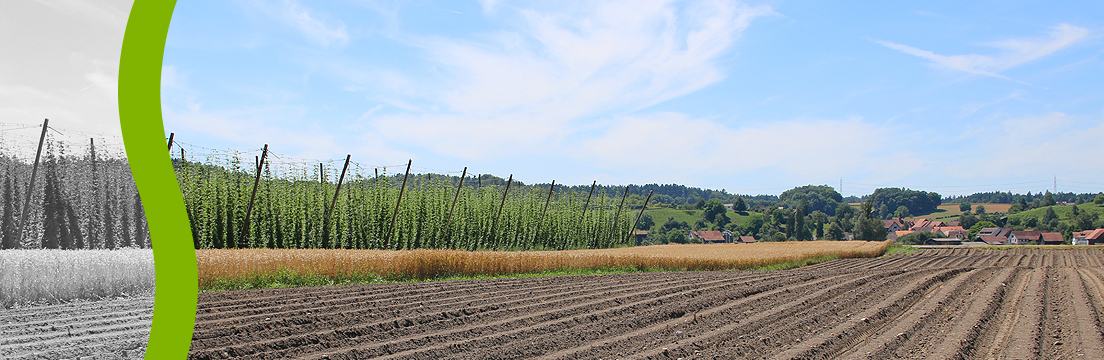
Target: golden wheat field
216,264
54,276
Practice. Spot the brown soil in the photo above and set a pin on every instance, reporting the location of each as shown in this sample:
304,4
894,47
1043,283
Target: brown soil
108,329
938,303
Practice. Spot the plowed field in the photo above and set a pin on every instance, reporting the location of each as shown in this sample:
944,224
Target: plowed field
939,303
109,329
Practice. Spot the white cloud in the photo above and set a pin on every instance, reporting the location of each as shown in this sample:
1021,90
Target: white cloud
170,78
519,91
676,143
1015,51
310,26
60,61
488,6
1047,144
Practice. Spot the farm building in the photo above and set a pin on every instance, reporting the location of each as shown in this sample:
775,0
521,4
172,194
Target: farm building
993,240
640,235
944,241
1053,238
708,237
1089,237
747,239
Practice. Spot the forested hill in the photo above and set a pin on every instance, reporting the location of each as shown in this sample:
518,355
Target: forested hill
998,197
678,194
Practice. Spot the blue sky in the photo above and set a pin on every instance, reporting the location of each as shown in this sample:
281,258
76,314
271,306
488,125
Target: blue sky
750,97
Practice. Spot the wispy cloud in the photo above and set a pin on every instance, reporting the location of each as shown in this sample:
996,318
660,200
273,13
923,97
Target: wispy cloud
311,26
526,87
971,108
1015,51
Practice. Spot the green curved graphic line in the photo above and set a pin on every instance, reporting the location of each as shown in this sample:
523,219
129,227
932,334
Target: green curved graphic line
144,136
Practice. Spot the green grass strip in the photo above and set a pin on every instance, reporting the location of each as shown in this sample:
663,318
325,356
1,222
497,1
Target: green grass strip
285,278
900,249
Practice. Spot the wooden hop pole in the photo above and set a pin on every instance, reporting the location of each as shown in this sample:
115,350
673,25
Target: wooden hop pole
30,186
587,203
391,228
329,212
454,199
256,181
616,217
494,225
639,215
546,201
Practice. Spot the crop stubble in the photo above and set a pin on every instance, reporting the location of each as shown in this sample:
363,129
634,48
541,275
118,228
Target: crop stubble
938,303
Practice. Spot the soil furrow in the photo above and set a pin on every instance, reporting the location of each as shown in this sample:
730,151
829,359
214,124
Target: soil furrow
406,330
934,303
901,330
962,339
306,321
602,339
1087,336
322,312
1016,336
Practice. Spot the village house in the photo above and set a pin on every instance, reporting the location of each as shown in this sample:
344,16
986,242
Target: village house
950,231
920,224
893,226
899,233
1025,237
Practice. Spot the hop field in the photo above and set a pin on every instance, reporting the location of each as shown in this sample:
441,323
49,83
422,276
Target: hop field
295,205
54,276
283,267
